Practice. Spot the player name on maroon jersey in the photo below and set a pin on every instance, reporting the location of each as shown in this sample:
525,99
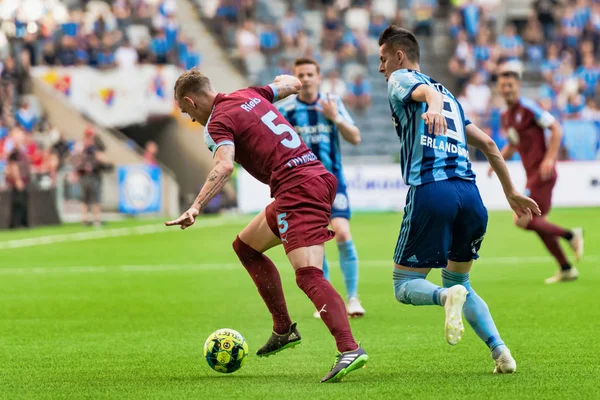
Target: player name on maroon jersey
266,145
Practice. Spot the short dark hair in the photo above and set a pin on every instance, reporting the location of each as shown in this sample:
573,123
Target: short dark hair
307,61
393,35
192,81
510,74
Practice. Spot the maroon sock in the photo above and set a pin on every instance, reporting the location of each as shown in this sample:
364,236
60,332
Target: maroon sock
266,278
554,248
326,299
543,227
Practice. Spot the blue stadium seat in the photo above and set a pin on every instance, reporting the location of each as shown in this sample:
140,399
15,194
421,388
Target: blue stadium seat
581,140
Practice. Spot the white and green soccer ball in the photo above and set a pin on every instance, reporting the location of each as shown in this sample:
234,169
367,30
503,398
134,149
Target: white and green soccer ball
225,351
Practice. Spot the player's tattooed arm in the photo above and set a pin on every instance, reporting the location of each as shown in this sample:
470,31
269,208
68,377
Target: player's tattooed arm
218,177
523,206
216,180
286,85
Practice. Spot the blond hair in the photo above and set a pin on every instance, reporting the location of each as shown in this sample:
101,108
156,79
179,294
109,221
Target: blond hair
192,82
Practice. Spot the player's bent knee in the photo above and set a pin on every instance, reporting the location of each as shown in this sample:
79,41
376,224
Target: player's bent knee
342,236
241,248
400,291
341,226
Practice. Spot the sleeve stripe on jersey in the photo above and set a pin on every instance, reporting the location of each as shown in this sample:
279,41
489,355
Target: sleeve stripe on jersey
223,143
546,120
410,92
542,117
275,92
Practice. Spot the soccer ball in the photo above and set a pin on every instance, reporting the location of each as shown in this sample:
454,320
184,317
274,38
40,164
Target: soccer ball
225,351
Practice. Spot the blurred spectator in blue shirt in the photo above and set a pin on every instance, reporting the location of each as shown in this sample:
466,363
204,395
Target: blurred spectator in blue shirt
455,23
583,13
422,12
69,29
510,43
377,25
552,62
484,54
534,39
228,11
106,58
269,39
160,48
574,106
588,75
359,94
471,14
25,117
290,26
571,28
171,31
188,58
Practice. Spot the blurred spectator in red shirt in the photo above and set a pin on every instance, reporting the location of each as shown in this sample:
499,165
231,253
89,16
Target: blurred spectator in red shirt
150,153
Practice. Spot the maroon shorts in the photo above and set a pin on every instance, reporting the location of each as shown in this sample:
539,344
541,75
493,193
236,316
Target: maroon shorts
541,192
299,216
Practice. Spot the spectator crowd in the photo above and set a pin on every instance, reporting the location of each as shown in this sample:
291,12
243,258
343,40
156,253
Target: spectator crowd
100,34
557,47
341,35
115,34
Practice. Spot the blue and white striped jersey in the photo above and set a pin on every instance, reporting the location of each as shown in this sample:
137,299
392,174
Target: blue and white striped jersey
319,133
424,157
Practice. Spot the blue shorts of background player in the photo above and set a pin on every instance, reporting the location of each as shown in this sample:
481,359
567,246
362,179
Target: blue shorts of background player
341,205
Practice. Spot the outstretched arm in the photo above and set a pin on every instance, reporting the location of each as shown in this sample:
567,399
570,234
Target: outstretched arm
522,205
217,178
286,85
507,152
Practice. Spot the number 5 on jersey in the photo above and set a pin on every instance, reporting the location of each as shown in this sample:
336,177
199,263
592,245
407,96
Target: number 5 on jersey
280,129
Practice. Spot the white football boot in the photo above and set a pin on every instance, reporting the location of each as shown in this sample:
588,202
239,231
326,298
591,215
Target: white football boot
455,299
563,276
505,364
354,308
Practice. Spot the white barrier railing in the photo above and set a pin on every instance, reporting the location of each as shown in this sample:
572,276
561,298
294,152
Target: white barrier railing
380,187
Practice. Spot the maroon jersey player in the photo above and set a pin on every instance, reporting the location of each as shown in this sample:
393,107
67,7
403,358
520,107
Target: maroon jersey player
245,127
525,121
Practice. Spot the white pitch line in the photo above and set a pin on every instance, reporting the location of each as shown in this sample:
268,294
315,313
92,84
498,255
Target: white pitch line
228,266
110,233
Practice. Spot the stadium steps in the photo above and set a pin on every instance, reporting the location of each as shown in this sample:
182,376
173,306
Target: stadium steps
119,150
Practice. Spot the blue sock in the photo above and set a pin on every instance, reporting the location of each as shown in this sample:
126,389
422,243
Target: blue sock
349,266
476,312
412,288
325,267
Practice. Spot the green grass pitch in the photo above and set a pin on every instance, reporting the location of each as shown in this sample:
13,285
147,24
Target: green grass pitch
126,317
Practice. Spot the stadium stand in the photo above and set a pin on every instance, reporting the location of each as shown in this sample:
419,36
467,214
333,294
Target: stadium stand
73,33
475,36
